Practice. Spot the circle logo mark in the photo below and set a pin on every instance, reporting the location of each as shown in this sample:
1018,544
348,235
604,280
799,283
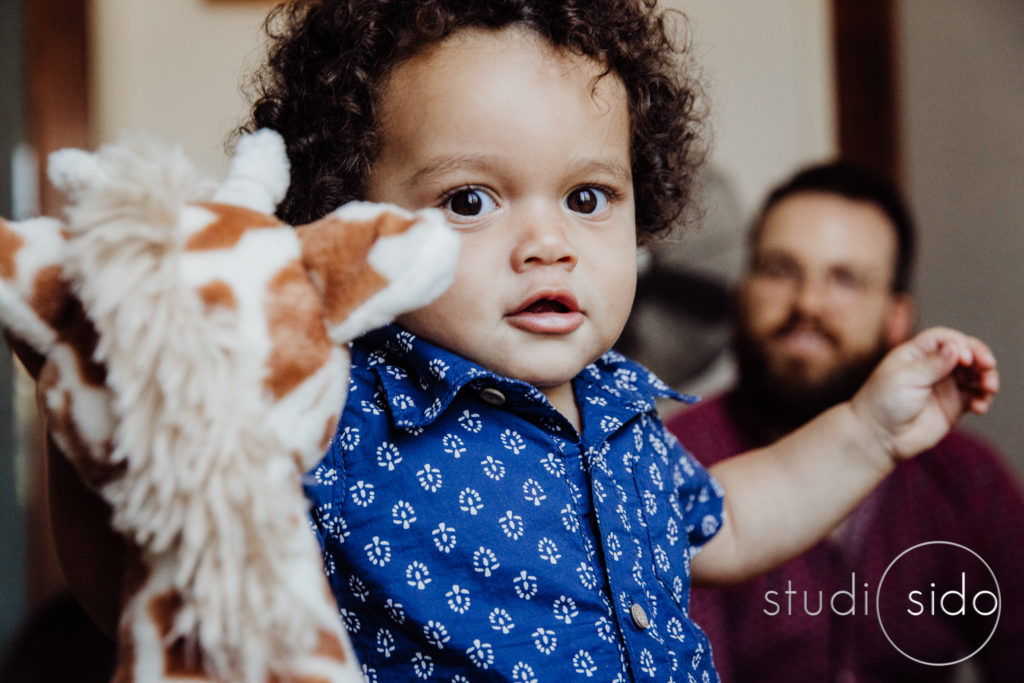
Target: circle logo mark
907,598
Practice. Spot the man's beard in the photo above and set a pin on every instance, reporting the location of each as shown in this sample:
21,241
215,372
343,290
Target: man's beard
782,400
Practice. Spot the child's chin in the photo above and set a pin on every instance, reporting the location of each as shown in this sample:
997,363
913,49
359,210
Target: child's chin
551,376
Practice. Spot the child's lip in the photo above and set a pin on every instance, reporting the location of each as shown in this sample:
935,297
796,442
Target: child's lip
562,297
543,321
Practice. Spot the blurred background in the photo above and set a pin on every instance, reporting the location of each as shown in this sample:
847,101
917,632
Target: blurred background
926,91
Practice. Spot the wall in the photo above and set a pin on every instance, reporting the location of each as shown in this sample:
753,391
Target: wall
770,82
174,70
962,66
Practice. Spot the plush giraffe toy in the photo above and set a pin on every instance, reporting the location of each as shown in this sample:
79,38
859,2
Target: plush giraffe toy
194,365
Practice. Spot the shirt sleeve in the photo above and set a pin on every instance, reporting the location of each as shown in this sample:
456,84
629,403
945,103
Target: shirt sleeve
701,497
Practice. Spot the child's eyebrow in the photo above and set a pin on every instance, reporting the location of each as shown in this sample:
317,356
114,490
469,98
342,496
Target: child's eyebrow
439,166
608,167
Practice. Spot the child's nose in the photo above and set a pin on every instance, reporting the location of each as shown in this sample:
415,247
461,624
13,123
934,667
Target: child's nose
543,239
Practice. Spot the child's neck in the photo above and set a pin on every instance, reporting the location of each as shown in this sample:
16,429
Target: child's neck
563,398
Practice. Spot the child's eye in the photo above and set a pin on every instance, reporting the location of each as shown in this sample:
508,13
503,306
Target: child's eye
469,202
587,200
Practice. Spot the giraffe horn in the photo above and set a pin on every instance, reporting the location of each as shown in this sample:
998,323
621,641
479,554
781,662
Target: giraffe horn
258,176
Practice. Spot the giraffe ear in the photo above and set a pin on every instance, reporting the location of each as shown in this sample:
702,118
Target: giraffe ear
372,262
258,176
326,259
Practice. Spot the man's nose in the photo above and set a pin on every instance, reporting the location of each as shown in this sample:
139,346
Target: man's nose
543,238
811,296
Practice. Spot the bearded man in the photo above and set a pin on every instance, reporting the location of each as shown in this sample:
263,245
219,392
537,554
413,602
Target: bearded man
825,295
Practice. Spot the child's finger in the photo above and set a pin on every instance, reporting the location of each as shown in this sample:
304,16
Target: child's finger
988,380
980,406
976,399
981,354
975,376
943,343
982,374
977,384
980,403
943,355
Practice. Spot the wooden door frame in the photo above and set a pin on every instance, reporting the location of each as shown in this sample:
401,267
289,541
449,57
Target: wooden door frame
57,115
57,77
865,45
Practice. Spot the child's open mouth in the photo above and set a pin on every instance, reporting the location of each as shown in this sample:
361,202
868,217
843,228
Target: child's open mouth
548,313
547,306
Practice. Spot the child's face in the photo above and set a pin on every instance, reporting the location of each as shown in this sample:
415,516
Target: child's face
531,161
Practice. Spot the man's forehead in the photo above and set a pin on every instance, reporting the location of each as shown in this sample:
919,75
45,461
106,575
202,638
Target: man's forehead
827,227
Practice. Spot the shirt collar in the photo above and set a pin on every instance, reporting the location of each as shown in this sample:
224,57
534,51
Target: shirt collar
613,390
420,380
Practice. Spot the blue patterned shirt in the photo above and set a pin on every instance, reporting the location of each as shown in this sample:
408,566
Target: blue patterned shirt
470,533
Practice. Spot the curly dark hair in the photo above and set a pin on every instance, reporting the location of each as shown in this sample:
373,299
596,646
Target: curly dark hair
328,61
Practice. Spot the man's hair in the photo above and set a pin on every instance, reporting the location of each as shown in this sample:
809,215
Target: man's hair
853,182
329,61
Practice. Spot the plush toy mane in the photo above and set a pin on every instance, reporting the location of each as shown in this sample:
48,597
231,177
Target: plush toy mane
190,354
192,411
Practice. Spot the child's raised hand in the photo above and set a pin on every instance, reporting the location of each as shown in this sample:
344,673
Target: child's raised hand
923,387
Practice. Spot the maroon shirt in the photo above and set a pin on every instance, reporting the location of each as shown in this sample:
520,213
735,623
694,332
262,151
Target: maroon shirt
958,492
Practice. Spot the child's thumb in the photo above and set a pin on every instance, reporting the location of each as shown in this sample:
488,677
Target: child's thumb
938,353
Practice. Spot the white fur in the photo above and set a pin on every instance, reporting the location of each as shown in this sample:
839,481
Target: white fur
43,246
91,408
211,492
22,321
258,177
193,219
73,171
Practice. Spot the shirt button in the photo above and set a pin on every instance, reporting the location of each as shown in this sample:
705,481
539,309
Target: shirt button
492,396
639,616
